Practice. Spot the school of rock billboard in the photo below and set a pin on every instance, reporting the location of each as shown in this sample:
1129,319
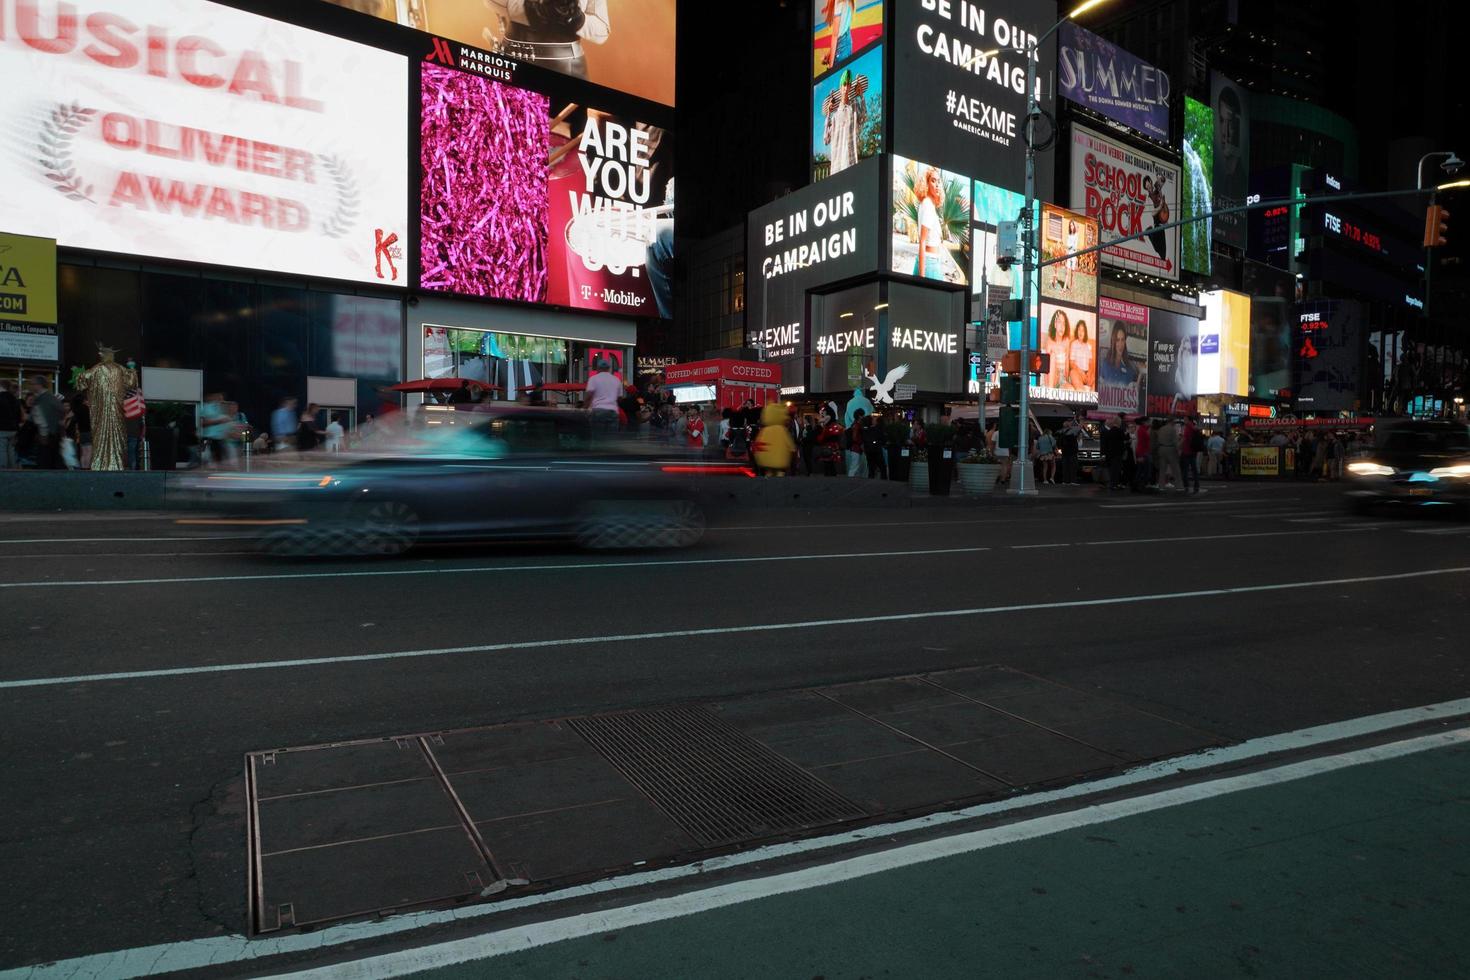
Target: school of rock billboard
957,108
1096,73
535,196
1130,193
188,130
822,234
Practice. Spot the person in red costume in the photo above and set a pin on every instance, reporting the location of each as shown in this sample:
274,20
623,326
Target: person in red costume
829,441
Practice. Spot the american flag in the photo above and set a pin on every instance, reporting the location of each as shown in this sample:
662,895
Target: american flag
133,405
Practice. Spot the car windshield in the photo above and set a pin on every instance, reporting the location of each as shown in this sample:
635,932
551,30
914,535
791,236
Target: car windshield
1423,438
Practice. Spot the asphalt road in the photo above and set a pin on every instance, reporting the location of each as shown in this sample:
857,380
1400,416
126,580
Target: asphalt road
142,660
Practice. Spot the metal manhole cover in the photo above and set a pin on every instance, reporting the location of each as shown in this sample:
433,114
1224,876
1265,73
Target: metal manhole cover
718,784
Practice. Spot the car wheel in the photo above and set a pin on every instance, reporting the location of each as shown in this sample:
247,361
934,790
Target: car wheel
636,524
388,527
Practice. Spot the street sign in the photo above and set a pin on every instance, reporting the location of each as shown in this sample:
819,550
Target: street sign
905,392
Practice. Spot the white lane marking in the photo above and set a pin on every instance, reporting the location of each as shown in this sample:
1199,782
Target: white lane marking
174,537
1025,547
1311,520
192,954
1439,530
1218,537
575,641
1194,502
522,938
455,570
132,554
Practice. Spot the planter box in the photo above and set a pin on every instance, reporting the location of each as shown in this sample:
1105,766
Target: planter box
919,478
978,479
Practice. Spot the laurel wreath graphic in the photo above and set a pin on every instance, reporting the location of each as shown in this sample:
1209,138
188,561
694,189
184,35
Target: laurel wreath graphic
344,216
57,133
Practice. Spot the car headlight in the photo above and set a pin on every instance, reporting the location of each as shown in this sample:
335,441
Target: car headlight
1364,468
1459,469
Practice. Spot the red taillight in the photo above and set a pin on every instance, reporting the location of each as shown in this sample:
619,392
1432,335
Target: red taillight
710,470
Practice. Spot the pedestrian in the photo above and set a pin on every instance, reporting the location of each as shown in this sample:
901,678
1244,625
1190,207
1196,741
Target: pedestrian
1319,459
603,392
774,447
829,441
1114,445
335,434
808,443
81,431
1215,447
1068,442
873,448
918,435
217,424
1167,439
284,423
10,417
693,429
1232,455
852,444
308,436
1192,447
47,411
1046,454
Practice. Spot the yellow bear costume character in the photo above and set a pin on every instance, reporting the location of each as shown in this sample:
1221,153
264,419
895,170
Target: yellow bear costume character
774,447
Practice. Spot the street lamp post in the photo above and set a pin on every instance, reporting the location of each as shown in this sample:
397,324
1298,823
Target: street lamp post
1452,166
1022,481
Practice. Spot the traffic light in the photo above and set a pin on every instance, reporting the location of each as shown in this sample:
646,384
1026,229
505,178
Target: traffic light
1436,226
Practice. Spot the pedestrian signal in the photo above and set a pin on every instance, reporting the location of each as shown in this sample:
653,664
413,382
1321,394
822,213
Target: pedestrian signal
1010,363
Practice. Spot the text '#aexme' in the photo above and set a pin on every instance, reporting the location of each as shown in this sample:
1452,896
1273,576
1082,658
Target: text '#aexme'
823,247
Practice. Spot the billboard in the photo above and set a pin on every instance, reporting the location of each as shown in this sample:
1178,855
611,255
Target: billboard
626,45
1130,193
821,234
1173,356
1069,335
1231,106
1328,340
847,115
959,106
1074,279
1123,356
842,28
930,222
532,198
27,279
926,340
1101,76
1224,343
1197,193
188,130
1273,298
990,284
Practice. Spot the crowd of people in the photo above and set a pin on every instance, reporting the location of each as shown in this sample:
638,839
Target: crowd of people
40,429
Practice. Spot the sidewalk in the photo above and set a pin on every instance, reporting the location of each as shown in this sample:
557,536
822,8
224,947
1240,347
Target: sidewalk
1363,871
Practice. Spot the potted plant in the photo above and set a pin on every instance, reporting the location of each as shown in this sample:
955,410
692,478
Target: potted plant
940,459
979,469
918,461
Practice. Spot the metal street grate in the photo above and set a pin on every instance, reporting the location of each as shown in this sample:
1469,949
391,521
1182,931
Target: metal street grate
719,785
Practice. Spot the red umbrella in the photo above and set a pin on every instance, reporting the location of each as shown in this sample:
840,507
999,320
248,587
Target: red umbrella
441,384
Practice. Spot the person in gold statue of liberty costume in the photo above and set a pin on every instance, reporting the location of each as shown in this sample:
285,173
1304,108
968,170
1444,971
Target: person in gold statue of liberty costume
106,384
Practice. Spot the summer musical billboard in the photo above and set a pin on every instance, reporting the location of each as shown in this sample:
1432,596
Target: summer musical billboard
1096,73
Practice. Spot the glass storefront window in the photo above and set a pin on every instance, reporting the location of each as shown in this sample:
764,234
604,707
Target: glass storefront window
505,361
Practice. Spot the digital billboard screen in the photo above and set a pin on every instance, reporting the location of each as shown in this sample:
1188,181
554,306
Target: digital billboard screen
819,235
1130,193
626,45
841,29
847,115
1072,279
532,197
960,84
926,336
1197,194
1173,361
1069,337
992,285
931,223
1224,343
1231,106
1329,341
188,130
1096,73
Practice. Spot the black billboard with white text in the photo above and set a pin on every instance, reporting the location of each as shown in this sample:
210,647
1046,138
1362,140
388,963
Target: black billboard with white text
957,108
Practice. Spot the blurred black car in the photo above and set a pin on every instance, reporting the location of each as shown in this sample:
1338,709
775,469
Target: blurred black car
1414,462
476,475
